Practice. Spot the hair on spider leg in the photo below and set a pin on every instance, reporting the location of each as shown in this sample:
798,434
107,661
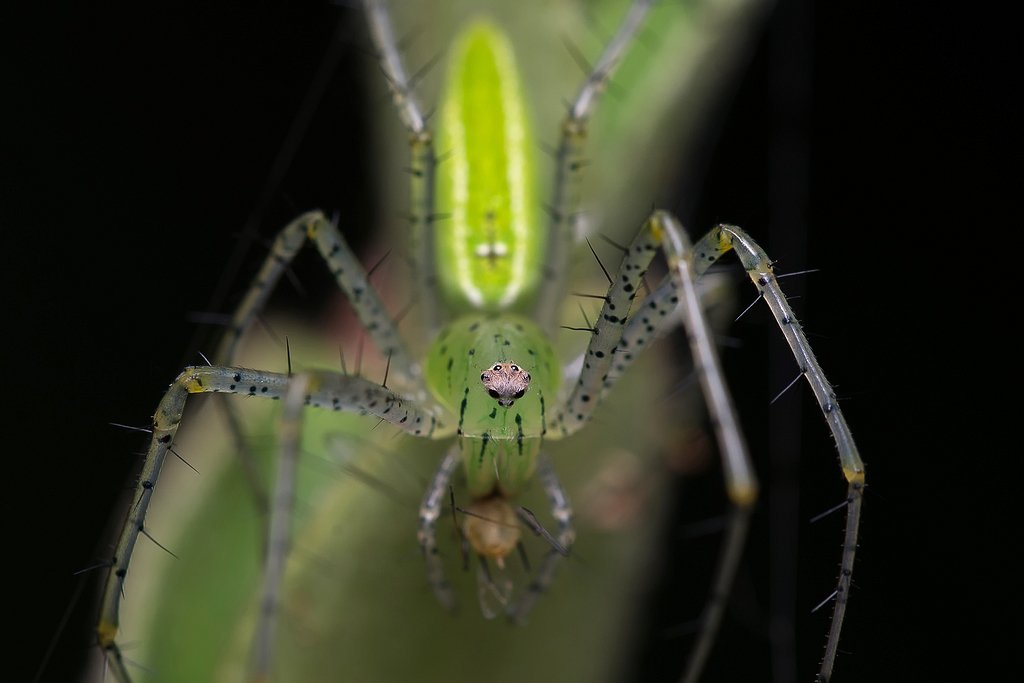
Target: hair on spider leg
380,261
779,276
789,386
552,211
463,541
421,73
179,457
387,369
749,307
577,56
830,511
598,259
132,428
527,517
158,544
269,329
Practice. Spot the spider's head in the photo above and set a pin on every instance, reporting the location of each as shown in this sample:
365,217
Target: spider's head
505,381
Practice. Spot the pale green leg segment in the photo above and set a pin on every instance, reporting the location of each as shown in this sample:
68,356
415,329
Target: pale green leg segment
423,164
325,390
759,267
661,230
430,511
351,278
595,377
561,510
569,162
650,319
279,532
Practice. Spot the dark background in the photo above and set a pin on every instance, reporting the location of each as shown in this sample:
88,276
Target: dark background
895,120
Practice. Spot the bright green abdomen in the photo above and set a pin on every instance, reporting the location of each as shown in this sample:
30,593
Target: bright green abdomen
489,241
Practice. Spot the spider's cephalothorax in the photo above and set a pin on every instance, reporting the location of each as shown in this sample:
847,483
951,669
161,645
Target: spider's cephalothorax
500,409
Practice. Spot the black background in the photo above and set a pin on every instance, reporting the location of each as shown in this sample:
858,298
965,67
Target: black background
116,213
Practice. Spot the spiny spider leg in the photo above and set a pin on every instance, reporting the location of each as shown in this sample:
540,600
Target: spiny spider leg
662,230
561,510
423,164
326,389
652,317
755,261
279,532
569,160
351,278
430,511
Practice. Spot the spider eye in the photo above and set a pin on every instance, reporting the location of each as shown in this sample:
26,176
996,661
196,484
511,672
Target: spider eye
493,393
519,394
515,368
484,377
497,368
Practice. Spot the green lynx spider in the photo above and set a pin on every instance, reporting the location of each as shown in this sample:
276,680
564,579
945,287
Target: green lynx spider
491,379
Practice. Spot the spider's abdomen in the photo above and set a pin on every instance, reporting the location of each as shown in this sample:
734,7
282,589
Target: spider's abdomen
488,241
498,376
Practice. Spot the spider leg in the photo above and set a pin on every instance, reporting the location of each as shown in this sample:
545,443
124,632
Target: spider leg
610,344
755,261
569,159
430,511
351,278
561,510
279,532
325,389
423,164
